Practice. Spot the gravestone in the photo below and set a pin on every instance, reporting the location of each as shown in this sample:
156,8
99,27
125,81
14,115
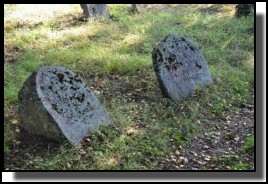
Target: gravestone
95,11
138,7
55,103
180,67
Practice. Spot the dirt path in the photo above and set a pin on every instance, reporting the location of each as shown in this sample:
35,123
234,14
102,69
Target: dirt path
221,148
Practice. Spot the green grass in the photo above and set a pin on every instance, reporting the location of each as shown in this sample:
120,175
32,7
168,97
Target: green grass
249,144
239,166
6,146
231,163
146,125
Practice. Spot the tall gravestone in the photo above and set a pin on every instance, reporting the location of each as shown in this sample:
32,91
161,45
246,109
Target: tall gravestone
55,103
180,67
95,11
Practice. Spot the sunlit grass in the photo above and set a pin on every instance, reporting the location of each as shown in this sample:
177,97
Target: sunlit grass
39,12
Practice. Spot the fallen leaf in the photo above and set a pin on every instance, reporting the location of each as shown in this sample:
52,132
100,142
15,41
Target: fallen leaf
177,153
206,147
14,122
130,132
236,139
199,162
82,152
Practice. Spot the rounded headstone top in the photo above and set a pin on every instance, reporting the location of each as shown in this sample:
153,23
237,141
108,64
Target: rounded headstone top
180,66
72,106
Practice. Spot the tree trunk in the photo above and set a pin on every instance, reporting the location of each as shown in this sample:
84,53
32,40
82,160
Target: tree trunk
95,11
244,9
138,7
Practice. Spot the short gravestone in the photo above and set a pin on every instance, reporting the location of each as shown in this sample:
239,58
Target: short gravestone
180,67
55,103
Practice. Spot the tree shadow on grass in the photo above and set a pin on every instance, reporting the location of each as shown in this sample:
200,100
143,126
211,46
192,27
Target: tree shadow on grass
68,21
215,8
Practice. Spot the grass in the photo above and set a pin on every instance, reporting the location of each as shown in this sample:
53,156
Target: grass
232,163
115,58
249,144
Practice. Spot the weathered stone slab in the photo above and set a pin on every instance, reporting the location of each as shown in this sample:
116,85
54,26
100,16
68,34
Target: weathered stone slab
180,67
95,11
56,104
